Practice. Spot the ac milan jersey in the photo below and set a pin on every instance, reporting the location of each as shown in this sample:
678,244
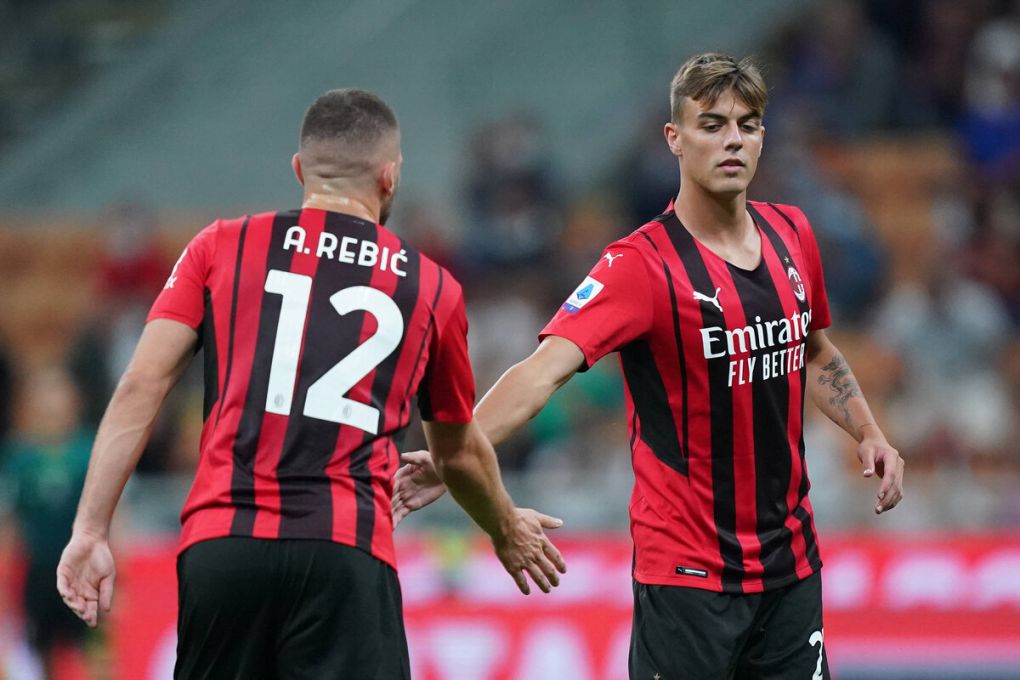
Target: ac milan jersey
318,329
713,360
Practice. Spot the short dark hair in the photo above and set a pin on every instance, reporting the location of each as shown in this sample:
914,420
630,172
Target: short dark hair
705,77
349,116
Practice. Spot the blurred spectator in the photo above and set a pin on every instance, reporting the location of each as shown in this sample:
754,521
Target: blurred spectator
949,332
514,205
6,393
44,468
840,72
648,178
990,122
130,273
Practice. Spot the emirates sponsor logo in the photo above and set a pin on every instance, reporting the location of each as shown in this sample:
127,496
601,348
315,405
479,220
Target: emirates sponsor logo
767,343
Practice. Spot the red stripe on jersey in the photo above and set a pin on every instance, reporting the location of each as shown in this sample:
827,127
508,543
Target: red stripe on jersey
274,426
695,498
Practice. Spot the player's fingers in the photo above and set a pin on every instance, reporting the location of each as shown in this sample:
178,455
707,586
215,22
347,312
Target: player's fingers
548,521
549,570
522,582
538,577
399,513
106,592
554,555
416,458
868,460
91,615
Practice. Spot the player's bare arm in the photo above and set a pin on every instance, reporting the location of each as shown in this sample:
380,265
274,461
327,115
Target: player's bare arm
834,389
466,463
516,397
86,573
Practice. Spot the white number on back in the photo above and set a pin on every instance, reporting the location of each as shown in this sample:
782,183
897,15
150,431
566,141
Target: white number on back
817,637
325,399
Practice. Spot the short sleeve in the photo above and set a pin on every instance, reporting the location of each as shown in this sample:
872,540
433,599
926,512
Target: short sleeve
820,316
610,308
183,296
447,391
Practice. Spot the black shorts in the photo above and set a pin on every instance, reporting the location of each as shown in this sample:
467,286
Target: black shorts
254,609
692,634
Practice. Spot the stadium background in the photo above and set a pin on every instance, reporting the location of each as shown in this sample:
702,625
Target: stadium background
531,139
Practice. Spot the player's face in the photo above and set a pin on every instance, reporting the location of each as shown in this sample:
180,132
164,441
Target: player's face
718,145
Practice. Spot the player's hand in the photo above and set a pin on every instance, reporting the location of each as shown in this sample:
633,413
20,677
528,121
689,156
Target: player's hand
523,548
415,485
879,458
85,577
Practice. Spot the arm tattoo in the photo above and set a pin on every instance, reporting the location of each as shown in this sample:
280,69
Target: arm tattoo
837,375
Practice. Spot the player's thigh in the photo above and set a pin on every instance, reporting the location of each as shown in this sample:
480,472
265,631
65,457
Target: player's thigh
687,633
226,625
340,616
788,639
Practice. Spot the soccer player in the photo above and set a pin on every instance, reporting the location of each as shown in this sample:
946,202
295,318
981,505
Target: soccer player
717,308
318,326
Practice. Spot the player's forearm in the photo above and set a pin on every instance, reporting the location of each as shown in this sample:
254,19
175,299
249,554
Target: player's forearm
515,399
121,438
834,389
470,472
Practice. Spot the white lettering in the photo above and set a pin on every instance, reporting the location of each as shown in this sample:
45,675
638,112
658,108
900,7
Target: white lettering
369,254
741,334
399,257
707,340
346,254
294,239
327,244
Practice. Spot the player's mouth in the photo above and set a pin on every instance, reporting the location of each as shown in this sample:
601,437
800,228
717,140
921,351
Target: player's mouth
732,163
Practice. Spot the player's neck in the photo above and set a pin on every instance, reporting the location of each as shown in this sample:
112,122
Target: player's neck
712,217
348,204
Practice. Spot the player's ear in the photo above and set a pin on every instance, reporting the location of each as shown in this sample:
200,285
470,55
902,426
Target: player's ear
672,134
389,178
762,145
295,164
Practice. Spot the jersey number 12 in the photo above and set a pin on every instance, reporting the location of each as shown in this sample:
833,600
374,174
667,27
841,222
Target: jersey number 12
325,399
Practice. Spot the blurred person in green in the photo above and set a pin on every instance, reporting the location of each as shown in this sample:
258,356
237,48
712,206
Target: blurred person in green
43,467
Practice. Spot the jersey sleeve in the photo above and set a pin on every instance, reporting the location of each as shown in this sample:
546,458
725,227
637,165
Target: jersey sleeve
610,308
447,391
183,296
820,316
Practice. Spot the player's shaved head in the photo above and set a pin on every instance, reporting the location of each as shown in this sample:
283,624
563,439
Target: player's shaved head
346,134
705,77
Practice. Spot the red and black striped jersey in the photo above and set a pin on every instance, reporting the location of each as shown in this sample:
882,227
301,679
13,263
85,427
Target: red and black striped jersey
318,329
713,360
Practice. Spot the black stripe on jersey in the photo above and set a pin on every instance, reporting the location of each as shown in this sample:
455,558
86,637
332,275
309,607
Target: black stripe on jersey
424,398
651,404
771,403
721,405
684,449
209,359
810,541
233,310
249,428
781,214
306,498
406,296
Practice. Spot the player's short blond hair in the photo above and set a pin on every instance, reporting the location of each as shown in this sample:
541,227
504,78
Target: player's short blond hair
705,77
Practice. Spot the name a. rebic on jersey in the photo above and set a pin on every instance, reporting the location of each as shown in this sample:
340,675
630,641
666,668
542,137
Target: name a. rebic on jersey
347,249
761,337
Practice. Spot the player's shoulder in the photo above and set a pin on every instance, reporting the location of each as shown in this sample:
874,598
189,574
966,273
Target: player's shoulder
432,274
643,238
783,216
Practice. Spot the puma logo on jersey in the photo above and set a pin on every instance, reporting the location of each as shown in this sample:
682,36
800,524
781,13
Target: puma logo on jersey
610,257
173,273
704,298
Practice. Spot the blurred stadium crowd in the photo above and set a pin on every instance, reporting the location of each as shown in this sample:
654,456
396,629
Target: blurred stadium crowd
894,125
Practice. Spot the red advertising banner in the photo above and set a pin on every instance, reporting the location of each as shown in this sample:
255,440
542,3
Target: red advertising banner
892,602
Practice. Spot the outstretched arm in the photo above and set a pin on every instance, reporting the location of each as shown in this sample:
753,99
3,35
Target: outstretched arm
835,391
86,573
514,400
466,463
